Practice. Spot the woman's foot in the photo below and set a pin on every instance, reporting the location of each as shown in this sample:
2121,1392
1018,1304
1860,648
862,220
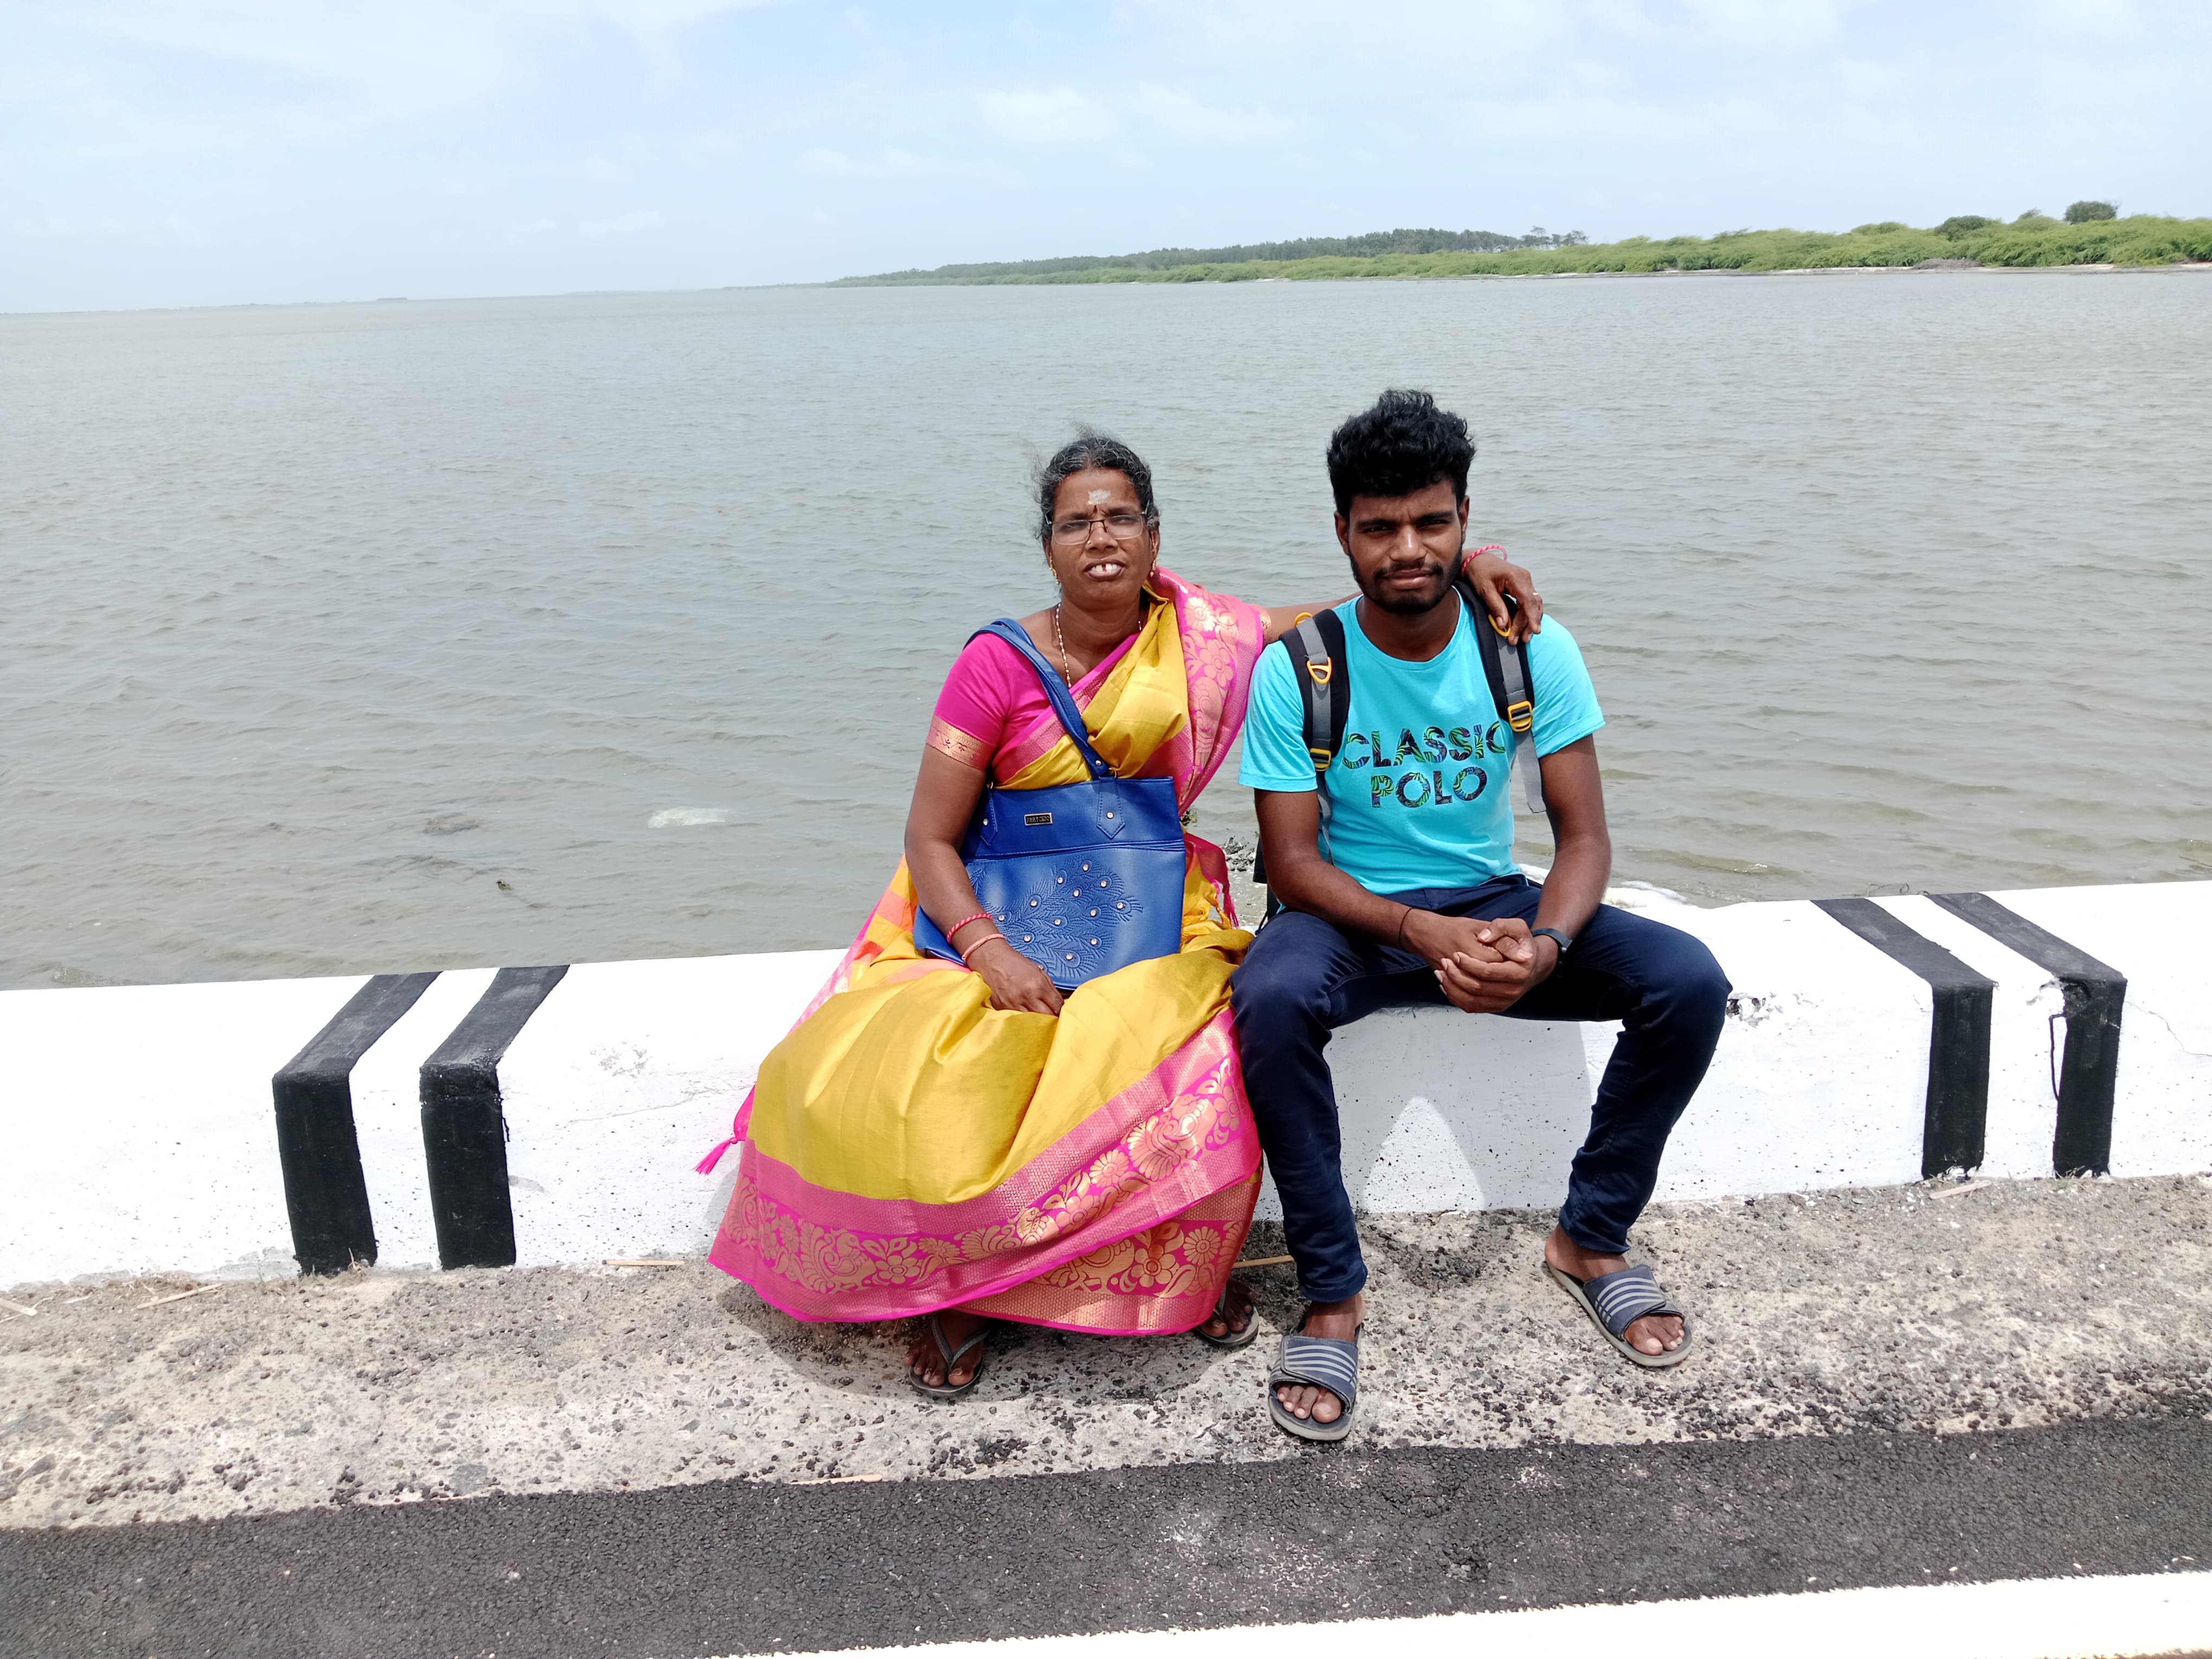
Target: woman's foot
1233,1318
1341,1319
925,1361
1654,1334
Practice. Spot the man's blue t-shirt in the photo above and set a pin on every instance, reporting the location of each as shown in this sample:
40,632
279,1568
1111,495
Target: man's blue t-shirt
1418,795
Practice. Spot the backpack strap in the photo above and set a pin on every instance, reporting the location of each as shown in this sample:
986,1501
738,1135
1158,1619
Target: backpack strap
1322,670
1316,646
1512,687
1055,690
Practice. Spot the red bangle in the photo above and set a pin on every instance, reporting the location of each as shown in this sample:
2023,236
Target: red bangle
980,944
965,921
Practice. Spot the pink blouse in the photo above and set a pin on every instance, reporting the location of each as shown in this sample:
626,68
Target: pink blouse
992,696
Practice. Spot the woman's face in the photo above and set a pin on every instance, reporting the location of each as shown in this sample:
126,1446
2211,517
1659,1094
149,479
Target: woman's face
1102,565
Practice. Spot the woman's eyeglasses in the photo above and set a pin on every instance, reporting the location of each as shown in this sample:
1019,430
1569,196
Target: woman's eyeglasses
1122,527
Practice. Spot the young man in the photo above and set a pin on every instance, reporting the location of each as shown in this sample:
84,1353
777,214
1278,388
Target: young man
1410,894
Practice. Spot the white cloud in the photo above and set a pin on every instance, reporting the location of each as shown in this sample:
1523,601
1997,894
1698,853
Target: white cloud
1185,117
1062,116
1787,23
889,163
397,57
628,225
2114,18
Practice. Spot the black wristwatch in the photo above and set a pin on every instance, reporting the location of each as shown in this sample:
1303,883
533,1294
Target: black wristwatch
1557,938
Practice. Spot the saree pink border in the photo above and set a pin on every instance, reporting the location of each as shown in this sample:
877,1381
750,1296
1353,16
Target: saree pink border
1180,1135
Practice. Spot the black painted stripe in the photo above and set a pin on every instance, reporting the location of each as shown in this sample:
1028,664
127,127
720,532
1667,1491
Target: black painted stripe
317,1145
1333,1533
463,1129
1956,1125
2089,1074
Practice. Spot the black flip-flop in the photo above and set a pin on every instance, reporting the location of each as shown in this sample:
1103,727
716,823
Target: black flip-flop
1231,1338
948,1389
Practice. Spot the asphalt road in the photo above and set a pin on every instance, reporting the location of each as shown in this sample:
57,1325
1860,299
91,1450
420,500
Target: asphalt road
741,1566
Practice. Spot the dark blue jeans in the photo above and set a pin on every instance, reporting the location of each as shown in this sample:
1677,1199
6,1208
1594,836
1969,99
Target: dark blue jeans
1302,979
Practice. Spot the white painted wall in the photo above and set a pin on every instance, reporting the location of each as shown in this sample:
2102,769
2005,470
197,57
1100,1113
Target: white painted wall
387,1117
618,1085
139,1133
2024,1044
2157,937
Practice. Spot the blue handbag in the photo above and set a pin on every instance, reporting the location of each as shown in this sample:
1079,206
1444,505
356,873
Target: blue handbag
1081,877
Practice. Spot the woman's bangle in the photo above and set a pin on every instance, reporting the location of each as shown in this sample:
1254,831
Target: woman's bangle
993,934
965,921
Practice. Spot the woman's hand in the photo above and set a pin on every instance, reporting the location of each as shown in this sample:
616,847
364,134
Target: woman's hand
1016,982
1494,578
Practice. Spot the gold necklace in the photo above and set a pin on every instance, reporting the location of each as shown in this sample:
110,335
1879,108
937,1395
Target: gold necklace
1067,663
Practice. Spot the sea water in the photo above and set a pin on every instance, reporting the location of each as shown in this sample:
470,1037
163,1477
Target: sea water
402,635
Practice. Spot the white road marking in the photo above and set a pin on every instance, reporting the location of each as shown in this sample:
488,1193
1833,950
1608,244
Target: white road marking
2021,1618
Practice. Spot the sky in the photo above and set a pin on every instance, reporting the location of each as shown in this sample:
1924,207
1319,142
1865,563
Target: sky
196,152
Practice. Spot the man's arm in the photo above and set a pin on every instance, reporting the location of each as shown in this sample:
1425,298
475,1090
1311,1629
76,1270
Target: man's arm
1574,801
1290,843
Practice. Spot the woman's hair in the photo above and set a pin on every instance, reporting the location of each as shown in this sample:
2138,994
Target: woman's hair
1403,444
1090,448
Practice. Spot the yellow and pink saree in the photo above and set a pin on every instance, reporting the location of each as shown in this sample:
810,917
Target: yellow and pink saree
909,1147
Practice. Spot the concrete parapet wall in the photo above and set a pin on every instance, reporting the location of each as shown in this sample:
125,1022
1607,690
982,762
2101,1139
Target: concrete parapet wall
143,1134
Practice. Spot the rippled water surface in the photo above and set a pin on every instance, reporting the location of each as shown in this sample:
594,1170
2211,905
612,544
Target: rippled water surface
419,635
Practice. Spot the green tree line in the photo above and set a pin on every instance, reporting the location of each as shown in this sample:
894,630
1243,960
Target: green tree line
2090,233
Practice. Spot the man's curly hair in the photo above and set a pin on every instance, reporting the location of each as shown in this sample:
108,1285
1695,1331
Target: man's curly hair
1403,444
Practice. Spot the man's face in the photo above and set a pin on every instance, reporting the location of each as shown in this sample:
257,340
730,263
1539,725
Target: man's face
1403,549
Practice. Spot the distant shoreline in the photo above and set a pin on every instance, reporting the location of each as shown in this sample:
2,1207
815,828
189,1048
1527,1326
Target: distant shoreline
2032,242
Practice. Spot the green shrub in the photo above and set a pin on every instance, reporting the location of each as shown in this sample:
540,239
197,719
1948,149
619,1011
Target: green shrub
2034,239
2082,213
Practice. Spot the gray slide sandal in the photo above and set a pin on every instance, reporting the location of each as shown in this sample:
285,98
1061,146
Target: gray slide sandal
1319,1362
1615,1301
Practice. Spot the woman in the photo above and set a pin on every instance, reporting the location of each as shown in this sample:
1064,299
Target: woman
958,1140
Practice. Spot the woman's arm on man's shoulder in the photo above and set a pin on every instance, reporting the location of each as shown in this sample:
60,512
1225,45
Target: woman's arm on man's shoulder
1494,576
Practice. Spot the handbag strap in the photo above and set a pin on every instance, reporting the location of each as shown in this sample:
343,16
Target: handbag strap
1055,690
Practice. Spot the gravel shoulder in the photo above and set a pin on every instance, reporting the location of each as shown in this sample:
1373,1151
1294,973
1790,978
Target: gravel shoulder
1998,1305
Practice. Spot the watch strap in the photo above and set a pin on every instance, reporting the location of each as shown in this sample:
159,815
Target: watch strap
1557,938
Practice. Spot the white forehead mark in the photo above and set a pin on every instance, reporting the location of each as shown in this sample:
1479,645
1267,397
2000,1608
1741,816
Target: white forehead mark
1098,496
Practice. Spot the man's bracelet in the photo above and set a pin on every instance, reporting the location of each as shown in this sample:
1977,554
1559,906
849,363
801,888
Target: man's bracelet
1404,916
1555,936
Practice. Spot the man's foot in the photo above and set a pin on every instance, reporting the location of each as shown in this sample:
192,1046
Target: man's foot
1237,1301
1654,1334
927,1365
1341,1319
